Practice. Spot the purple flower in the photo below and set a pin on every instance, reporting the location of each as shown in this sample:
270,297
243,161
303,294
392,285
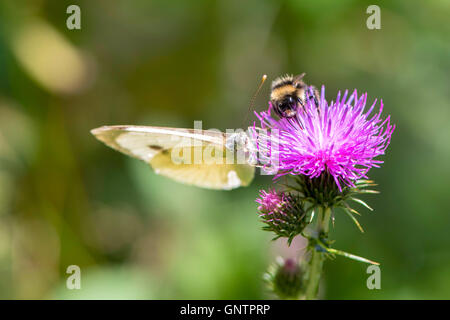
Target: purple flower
271,201
282,213
339,138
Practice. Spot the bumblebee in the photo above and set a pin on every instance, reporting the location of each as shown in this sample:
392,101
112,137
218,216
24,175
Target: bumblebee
289,93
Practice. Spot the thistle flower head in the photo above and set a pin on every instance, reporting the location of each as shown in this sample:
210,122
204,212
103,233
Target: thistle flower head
282,213
271,201
339,138
285,278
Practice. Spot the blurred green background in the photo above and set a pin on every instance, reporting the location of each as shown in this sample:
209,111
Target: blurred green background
66,199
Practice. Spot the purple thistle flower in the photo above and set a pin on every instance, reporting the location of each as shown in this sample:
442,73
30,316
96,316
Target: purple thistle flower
282,213
339,138
271,201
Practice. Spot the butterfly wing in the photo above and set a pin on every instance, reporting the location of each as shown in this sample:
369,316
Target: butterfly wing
194,157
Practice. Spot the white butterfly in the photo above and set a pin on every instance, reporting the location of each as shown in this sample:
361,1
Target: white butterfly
159,146
235,154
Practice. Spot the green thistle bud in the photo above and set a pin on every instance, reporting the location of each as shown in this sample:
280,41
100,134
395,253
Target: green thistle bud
285,278
283,213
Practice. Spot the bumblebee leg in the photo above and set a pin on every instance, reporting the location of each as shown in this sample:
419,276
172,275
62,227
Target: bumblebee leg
302,104
313,93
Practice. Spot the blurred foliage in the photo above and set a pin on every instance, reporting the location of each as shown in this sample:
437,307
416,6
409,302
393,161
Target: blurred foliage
67,199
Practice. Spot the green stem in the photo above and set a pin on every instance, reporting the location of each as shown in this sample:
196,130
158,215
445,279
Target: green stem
318,257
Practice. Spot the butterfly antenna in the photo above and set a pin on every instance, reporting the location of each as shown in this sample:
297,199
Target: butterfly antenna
252,101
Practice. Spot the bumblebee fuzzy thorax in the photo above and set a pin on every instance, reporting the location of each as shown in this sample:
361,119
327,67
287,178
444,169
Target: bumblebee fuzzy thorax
288,93
282,88
285,95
